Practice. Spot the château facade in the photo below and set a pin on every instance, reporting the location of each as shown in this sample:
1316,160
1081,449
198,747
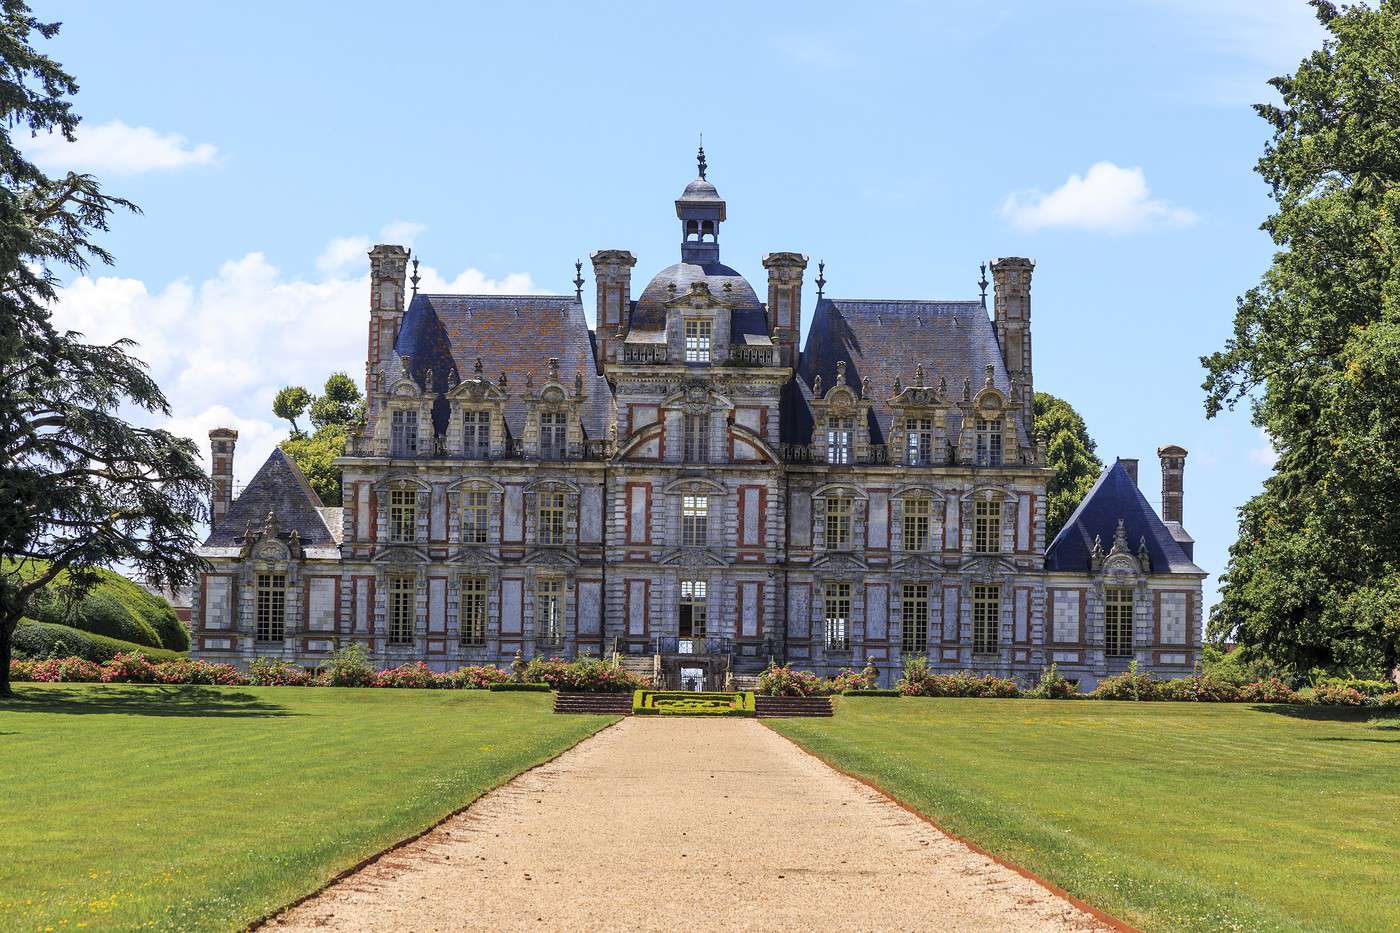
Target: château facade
685,482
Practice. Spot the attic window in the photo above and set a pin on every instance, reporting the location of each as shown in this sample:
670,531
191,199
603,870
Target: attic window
697,341
838,439
989,442
403,434
920,441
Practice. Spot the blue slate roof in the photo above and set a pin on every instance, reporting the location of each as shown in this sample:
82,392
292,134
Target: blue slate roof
517,334
649,311
281,489
1115,496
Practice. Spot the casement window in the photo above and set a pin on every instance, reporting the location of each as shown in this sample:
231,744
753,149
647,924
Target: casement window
553,435
918,515
919,441
1118,622
986,619
986,526
837,604
403,515
472,614
838,439
694,609
914,615
551,518
271,607
476,519
697,438
403,433
695,520
549,611
400,611
838,522
476,434
697,341
989,442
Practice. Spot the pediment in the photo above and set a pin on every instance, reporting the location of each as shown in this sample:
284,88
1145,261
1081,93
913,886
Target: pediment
477,554
692,559
988,565
477,390
916,564
839,560
551,557
401,554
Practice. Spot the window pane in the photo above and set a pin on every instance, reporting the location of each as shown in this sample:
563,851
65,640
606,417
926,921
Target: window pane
914,613
271,607
401,610
838,522
986,537
697,341
473,611
695,519
917,515
986,619
1118,622
403,515
838,616
551,518
475,517
989,441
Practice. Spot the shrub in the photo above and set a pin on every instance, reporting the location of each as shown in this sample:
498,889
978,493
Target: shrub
1271,690
1336,695
1132,684
114,607
920,681
274,672
1369,688
1199,689
848,680
474,678
1389,700
414,675
871,692
56,671
349,667
520,688
47,640
1054,686
783,681
129,668
208,673
591,675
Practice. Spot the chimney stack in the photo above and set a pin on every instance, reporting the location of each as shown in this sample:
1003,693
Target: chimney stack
388,264
1011,312
1173,466
1130,464
785,301
612,281
221,444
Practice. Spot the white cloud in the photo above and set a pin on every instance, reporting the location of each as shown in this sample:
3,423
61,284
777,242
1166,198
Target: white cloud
222,347
402,232
342,252
1106,199
118,149
1267,454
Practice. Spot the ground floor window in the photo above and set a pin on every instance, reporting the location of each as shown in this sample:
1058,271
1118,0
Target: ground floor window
694,609
914,615
1118,622
838,616
272,607
400,610
549,611
986,619
472,615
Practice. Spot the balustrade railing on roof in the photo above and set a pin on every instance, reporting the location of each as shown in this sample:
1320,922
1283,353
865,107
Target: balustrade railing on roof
864,454
752,356
513,449
644,353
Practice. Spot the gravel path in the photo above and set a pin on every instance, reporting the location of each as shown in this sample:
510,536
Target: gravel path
685,824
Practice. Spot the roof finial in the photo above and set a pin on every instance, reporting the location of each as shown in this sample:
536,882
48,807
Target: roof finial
414,277
578,279
821,278
700,156
983,285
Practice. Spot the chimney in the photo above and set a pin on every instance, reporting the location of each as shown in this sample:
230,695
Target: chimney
1173,466
1011,312
785,302
221,444
612,280
1130,465
387,266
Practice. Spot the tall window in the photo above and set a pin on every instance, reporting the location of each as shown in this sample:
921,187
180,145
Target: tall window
914,612
551,518
473,611
553,435
989,442
838,522
919,433
1118,622
475,517
838,439
403,433
400,610
549,611
917,517
986,526
837,597
695,520
697,438
697,341
986,619
403,515
476,434
694,609
272,607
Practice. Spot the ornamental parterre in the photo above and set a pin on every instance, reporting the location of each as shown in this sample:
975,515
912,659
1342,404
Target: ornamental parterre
681,486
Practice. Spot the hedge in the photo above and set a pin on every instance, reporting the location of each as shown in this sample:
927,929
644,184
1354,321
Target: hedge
45,640
870,692
114,607
525,688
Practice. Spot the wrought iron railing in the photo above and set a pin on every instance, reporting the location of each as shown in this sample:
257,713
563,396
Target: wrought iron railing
675,644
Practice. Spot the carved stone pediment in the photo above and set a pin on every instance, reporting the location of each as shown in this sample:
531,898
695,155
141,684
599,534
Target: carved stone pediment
477,390
551,557
838,561
919,564
692,558
917,397
477,554
401,555
988,565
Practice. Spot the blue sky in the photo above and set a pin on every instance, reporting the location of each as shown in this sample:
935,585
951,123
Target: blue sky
268,144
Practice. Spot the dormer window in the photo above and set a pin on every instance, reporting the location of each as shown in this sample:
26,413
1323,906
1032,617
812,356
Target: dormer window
553,436
989,442
476,434
403,434
697,341
919,443
838,439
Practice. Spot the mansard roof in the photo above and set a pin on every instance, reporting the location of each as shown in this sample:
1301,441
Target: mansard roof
1115,496
514,334
885,339
280,489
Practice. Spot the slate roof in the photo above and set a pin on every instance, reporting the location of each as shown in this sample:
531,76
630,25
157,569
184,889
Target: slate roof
280,488
445,334
884,339
1116,496
748,317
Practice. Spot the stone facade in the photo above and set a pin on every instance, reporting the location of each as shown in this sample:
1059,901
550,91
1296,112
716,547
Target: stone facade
683,483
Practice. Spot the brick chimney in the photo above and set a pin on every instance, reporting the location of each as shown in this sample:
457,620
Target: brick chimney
1173,466
612,281
1011,312
388,265
1130,464
221,444
785,301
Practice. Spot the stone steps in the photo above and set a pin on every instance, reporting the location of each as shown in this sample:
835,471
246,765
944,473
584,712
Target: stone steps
596,704
792,706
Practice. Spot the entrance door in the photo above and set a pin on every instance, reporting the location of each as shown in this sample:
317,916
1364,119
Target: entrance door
693,678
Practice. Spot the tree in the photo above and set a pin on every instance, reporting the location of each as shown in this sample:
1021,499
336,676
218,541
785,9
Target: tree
1314,577
1069,451
335,413
290,404
80,488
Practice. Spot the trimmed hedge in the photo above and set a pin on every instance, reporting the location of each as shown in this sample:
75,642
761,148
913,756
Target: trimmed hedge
46,640
115,607
871,692
524,688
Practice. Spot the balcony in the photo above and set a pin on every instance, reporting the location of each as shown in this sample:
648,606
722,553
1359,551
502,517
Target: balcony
752,356
645,353
697,645
514,449
862,455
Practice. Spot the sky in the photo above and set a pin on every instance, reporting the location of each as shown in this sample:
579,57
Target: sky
269,144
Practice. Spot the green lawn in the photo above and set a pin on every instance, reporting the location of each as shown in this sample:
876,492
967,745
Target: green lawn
207,807
1172,816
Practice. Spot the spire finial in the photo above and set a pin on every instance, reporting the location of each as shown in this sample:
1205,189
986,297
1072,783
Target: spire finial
821,278
414,277
983,285
578,279
700,156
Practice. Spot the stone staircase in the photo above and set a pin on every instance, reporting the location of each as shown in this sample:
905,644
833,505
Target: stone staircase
643,665
595,704
769,707
745,681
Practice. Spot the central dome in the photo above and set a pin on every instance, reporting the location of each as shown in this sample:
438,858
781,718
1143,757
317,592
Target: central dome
700,190
724,283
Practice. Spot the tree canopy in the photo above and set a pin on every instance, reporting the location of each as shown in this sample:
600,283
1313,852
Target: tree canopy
1314,577
80,488
1070,452
337,411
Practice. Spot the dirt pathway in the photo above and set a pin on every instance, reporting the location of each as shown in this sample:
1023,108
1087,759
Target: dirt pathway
685,824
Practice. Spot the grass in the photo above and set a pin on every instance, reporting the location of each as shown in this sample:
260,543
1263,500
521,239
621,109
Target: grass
208,807
1171,816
